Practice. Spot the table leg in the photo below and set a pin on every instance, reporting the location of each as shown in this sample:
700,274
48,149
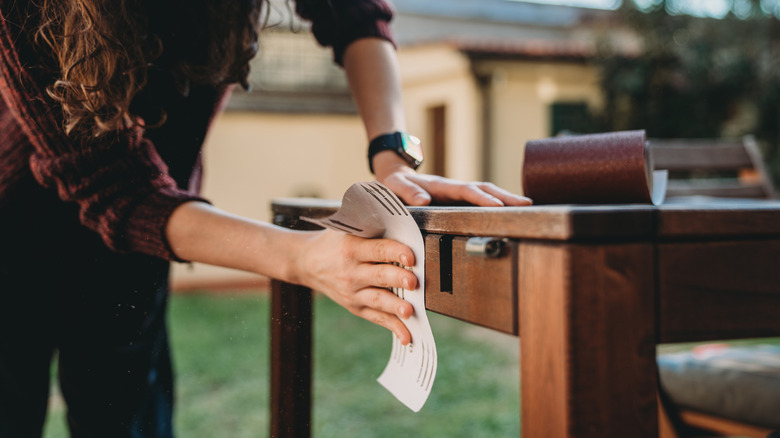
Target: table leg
587,334
291,331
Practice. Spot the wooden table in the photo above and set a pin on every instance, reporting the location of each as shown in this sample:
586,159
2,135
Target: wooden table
590,291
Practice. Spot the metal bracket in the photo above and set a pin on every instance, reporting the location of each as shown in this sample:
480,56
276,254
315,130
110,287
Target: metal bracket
485,246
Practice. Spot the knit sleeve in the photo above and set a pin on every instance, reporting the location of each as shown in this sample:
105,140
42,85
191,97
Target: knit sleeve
337,23
120,184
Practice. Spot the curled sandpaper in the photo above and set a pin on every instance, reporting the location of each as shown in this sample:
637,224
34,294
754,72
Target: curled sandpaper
609,168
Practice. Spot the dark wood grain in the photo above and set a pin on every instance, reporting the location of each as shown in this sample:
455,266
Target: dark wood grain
722,426
287,211
291,337
587,340
718,188
558,222
719,218
701,154
581,288
718,290
291,323
692,218
480,291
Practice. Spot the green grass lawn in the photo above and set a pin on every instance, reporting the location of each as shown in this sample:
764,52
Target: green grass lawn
221,359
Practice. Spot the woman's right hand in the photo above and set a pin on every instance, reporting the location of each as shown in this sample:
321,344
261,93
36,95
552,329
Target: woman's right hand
352,271
356,273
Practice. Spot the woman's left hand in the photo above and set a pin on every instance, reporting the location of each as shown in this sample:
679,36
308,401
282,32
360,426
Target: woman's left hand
420,189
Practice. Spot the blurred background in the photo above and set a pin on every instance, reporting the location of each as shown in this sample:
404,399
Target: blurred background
480,78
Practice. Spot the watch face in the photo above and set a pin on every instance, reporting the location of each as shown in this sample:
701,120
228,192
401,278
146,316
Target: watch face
412,147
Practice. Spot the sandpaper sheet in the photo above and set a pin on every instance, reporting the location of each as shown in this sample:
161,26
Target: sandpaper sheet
607,168
371,210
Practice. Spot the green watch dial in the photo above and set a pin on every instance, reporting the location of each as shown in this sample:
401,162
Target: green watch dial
412,147
406,146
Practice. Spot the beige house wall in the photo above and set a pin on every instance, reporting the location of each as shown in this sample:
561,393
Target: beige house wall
438,75
521,93
253,157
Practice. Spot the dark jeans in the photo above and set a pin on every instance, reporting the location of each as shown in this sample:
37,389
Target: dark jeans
103,313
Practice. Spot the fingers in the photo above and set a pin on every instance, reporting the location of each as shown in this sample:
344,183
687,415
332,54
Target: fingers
371,277
406,189
389,322
420,189
387,276
382,251
474,193
376,303
505,196
385,309
482,194
356,273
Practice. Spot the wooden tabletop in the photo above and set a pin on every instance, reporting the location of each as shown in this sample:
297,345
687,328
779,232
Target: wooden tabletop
677,220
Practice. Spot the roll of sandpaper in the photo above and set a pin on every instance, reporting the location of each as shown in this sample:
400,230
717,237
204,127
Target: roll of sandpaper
608,168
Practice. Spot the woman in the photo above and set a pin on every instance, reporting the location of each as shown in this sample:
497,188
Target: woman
104,108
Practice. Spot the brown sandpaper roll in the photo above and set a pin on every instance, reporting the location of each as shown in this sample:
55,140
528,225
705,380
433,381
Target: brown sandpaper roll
609,168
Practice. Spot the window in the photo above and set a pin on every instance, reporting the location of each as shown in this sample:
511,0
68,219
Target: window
570,117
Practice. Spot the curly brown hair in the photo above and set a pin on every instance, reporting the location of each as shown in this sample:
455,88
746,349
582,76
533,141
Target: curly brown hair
105,50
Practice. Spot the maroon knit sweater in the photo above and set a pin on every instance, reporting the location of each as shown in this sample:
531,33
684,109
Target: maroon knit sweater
127,186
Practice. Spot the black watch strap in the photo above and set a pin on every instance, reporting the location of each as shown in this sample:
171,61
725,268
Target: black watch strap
406,146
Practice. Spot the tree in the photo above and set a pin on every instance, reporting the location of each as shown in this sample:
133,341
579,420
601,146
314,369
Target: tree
696,77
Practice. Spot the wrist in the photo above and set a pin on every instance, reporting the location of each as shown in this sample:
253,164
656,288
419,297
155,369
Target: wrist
387,162
295,257
406,147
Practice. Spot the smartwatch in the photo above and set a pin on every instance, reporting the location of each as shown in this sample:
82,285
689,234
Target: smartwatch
406,146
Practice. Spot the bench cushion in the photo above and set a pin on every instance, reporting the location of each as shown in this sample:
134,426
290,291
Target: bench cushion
741,383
